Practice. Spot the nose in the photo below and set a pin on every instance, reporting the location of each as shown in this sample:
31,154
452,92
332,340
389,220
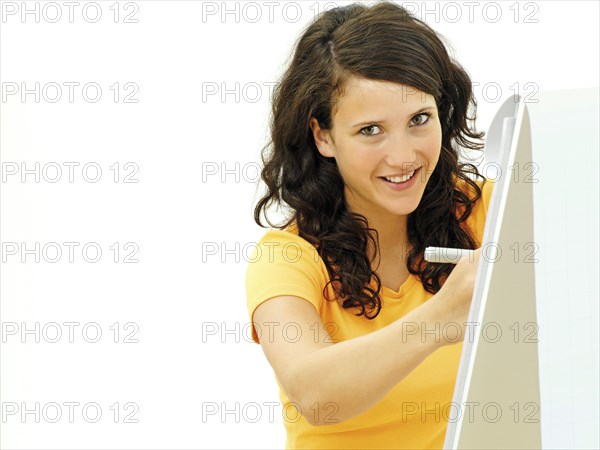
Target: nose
401,152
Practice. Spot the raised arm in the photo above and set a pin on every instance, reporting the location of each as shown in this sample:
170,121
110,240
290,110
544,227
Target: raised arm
321,375
315,373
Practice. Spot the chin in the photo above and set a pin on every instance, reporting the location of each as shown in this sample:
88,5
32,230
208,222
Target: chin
403,210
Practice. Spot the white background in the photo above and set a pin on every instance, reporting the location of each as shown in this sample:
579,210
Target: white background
188,227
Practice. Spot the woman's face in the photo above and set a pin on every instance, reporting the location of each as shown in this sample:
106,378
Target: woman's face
382,129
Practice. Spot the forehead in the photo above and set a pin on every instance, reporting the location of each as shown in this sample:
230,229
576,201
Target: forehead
365,96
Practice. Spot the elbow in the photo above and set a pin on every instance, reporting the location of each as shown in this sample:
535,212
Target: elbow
320,414
305,402
308,400
302,404
316,411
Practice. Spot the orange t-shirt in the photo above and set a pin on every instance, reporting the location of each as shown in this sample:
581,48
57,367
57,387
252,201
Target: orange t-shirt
414,414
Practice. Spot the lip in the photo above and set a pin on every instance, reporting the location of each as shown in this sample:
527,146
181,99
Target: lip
402,186
397,175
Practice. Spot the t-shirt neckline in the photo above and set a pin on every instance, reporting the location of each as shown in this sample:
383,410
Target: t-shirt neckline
410,283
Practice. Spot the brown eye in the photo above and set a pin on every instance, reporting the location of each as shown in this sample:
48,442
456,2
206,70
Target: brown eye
421,119
369,134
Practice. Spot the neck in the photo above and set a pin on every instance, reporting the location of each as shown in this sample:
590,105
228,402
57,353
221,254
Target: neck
393,241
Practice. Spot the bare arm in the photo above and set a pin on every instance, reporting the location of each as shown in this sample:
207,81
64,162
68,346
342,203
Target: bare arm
317,374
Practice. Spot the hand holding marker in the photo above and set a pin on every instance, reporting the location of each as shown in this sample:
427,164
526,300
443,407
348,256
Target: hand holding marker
456,293
447,255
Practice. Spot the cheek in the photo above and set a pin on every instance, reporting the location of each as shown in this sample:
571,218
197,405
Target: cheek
357,160
433,144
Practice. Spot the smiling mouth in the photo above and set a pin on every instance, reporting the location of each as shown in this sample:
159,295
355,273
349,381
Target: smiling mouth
401,180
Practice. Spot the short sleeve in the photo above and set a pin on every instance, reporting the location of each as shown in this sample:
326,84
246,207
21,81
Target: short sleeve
282,263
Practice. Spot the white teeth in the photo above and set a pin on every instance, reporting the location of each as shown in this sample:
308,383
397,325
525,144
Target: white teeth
400,179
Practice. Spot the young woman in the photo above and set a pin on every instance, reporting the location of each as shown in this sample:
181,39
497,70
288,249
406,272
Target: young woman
363,335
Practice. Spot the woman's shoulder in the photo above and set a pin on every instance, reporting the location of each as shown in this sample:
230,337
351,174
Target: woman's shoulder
486,186
286,234
283,264
478,216
286,245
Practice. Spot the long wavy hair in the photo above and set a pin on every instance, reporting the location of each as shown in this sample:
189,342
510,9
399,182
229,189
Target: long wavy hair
380,42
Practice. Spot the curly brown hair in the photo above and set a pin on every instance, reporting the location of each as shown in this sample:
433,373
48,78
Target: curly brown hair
381,42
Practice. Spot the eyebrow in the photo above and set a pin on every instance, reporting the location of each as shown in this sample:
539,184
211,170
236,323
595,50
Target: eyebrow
368,122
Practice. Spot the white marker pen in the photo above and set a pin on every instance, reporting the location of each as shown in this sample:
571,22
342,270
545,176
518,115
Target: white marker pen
446,255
